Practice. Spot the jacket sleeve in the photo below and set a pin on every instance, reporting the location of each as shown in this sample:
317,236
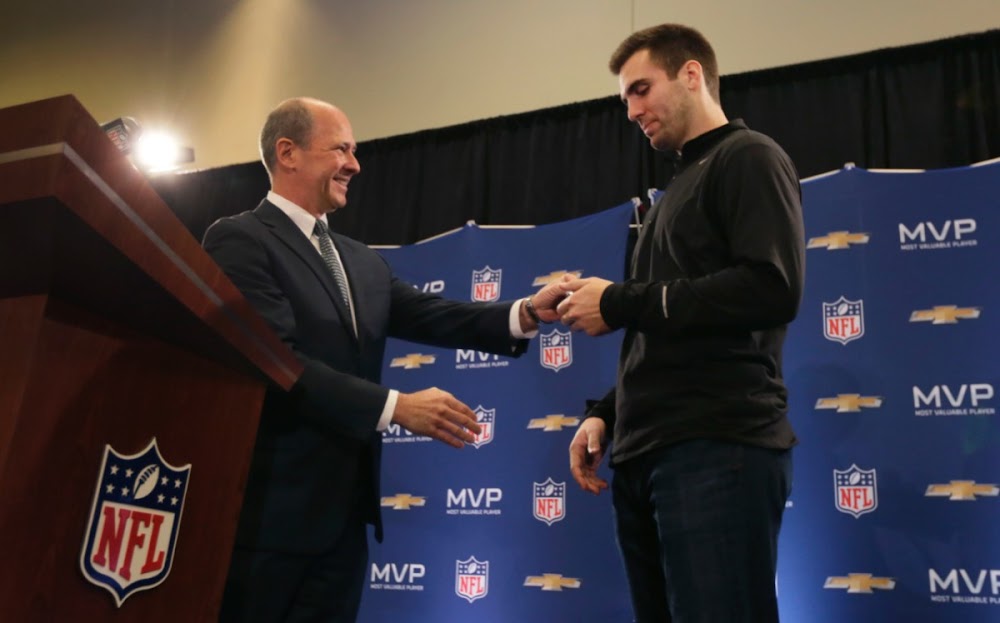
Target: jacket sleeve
337,401
758,202
604,409
429,319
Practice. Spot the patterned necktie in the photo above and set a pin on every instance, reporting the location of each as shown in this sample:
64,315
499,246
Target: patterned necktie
326,250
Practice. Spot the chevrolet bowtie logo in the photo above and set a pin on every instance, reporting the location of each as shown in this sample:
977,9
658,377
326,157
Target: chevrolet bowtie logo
860,583
849,403
544,280
403,501
553,422
837,240
944,314
411,361
964,490
551,582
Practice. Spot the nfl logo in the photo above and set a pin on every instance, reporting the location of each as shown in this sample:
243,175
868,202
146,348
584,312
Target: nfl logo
856,490
557,350
485,419
472,579
843,320
132,531
550,501
486,284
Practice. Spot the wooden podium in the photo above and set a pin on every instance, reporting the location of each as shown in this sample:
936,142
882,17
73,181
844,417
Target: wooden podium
115,328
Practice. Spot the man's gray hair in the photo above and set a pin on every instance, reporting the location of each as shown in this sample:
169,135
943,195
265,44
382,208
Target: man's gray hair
291,119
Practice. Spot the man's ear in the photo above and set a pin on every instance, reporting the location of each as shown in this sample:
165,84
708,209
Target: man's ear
692,74
286,153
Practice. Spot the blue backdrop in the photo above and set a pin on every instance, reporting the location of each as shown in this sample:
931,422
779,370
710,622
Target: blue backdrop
498,532
892,373
892,366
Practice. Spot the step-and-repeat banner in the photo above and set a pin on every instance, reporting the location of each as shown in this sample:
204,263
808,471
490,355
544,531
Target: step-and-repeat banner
498,532
892,368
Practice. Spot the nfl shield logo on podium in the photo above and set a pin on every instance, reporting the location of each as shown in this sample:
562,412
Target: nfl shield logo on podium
134,520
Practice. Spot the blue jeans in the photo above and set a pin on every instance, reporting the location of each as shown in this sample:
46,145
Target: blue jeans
697,525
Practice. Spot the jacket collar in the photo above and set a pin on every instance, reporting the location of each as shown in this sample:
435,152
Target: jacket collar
289,233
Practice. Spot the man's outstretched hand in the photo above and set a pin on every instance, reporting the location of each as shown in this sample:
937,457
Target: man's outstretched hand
437,414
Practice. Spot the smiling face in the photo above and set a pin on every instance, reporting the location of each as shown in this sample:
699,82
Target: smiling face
327,163
662,106
314,169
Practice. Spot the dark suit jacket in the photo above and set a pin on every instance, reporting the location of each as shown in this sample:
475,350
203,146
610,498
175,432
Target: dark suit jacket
317,451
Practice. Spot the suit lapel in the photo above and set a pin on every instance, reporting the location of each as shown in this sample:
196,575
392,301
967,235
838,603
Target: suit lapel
285,230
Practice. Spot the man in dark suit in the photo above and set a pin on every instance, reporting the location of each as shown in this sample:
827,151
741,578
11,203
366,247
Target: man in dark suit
301,546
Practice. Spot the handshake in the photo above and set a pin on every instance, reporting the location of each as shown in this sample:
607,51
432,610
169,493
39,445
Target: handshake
438,414
574,302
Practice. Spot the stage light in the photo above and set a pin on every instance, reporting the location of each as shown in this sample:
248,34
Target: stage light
158,151
151,151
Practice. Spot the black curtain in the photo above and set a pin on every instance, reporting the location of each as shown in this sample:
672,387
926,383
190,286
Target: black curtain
927,106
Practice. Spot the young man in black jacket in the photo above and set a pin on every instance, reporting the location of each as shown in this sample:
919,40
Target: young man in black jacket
698,416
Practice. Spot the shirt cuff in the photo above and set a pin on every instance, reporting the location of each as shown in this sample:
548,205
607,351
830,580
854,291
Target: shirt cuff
388,410
515,322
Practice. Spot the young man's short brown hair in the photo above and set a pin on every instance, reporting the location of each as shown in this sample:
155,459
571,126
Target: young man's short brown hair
670,46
